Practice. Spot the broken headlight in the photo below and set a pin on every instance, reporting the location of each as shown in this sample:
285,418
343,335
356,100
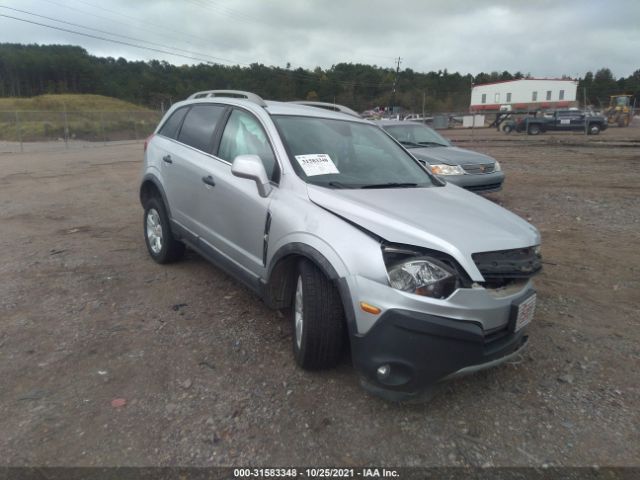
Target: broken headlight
423,276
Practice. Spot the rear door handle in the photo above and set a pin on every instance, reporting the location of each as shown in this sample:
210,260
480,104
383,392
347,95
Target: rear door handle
209,180
167,159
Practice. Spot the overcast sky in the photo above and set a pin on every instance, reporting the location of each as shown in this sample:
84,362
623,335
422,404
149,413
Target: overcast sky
546,38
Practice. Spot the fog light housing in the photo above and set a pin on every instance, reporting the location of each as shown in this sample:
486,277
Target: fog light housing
383,371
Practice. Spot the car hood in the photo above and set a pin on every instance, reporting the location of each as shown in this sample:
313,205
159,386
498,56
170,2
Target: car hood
448,219
450,155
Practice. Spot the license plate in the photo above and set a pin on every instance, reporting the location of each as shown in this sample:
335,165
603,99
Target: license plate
525,312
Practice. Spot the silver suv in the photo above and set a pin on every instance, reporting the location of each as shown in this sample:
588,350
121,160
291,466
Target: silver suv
330,219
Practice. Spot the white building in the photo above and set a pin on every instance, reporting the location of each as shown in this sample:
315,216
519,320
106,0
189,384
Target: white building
524,94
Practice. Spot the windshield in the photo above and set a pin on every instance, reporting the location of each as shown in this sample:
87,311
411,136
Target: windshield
622,101
343,154
413,136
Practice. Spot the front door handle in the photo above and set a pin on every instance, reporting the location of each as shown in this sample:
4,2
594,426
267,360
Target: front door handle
209,180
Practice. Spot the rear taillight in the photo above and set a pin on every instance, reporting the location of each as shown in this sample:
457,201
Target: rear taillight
146,142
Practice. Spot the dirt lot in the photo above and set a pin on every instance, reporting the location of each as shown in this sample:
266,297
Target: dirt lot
206,369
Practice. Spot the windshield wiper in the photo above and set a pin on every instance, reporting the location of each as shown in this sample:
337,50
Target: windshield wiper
390,185
341,185
408,143
432,143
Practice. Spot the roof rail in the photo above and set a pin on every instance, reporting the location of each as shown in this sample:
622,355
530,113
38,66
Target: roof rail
336,107
252,97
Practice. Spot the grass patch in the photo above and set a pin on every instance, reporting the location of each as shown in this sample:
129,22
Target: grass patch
88,117
70,102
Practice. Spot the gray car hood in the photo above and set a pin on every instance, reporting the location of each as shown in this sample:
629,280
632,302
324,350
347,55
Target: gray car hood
450,155
448,219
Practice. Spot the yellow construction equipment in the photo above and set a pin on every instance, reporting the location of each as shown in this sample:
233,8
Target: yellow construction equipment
620,111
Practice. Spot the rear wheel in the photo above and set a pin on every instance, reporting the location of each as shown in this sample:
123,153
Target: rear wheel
161,244
318,319
534,129
594,129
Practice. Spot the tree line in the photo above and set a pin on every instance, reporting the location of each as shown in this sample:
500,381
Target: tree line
30,70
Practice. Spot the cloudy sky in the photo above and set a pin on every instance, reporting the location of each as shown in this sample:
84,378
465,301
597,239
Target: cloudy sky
546,38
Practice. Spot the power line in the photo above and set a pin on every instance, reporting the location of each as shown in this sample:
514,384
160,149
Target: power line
53,27
197,3
137,23
166,52
228,11
241,16
234,13
114,34
146,22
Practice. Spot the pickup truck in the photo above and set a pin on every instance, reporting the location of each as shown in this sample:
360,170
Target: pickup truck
559,120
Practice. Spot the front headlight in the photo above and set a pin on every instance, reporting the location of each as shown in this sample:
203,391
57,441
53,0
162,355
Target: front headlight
443,169
424,276
497,167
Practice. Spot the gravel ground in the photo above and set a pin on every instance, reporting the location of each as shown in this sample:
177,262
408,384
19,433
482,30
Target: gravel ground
206,370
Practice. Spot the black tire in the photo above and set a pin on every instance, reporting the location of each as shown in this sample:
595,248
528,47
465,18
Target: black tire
594,129
534,129
507,129
323,329
170,249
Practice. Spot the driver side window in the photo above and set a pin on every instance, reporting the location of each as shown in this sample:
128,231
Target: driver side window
243,135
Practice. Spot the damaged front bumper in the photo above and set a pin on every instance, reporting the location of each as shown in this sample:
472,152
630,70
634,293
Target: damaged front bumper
407,353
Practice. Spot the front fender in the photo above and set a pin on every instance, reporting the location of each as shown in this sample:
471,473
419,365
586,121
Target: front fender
308,251
281,278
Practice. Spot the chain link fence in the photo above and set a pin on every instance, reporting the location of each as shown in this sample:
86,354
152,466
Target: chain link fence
27,131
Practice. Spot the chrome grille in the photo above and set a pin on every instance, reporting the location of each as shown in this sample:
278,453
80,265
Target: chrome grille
478,168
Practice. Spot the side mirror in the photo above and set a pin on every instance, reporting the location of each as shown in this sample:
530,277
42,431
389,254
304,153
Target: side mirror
251,168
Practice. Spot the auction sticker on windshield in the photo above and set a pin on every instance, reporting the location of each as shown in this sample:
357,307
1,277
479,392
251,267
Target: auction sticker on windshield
317,164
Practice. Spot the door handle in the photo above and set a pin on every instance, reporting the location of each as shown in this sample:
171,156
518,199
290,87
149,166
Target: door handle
167,159
209,180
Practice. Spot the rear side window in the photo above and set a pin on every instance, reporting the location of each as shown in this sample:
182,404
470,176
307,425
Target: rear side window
199,125
170,127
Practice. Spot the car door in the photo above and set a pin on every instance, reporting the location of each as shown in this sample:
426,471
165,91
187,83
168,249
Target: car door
577,120
562,121
187,167
163,150
234,221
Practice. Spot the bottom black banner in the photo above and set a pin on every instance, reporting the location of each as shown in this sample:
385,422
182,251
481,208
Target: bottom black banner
403,473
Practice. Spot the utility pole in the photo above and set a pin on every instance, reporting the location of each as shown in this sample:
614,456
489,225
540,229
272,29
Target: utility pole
586,123
19,131
395,83
66,126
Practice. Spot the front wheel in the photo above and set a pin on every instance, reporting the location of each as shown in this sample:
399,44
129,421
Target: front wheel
161,244
507,129
594,129
318,319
